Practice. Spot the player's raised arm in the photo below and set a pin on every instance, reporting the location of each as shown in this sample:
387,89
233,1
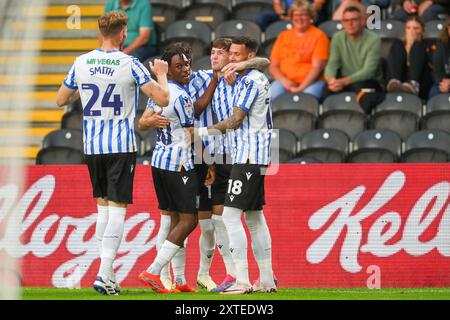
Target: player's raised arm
206,97
68,92
158,90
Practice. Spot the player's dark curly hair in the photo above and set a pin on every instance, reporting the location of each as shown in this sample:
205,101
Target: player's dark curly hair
177,48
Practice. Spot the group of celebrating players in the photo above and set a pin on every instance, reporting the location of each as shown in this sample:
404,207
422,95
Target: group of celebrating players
214,131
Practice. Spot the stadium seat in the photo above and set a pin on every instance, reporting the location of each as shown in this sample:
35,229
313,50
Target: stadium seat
76,105
272,33
145,160
201,63
212,12
427,146
165,12
196,34
148,143
296,112
376,146
286,147
437,113
326,145
249,9
391,29
59,155
433,29
386,44
72,120
399,112
234,28
330,27
69,138
341,111
304,160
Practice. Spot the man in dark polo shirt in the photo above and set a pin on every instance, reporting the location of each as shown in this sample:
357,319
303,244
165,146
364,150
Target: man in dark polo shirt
141,38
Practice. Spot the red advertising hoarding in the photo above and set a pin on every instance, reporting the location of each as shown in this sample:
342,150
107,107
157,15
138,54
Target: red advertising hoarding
332,225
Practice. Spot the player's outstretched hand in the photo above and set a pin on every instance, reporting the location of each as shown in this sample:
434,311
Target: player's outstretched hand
159,121
210,176
159,67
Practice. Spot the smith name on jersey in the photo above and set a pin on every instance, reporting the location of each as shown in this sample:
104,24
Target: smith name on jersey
109,83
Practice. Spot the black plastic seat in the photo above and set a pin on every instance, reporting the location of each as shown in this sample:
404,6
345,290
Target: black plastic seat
330,27
272,33
427,146
437,113
399,112
296,112
72,120
59,155
148,143
342,111
391,29
376,146
433,29
165,12
249,9
196,34
285,144
212,12
69,138
326,145
304,160
202,63
235,28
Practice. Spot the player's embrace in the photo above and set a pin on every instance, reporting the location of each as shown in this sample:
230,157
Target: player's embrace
107,81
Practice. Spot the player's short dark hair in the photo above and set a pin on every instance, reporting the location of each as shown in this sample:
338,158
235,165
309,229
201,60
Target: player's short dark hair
352,9
250,43
222,43
177,48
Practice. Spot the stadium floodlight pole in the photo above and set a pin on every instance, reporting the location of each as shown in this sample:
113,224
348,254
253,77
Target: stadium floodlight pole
18,45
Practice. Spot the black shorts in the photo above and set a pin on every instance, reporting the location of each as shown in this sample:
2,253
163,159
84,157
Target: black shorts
112,176
220,185
204,202
176,191
245,187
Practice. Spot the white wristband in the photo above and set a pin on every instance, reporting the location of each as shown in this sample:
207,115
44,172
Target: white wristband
203,132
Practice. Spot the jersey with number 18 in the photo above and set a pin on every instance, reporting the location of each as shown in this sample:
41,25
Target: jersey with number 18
109,89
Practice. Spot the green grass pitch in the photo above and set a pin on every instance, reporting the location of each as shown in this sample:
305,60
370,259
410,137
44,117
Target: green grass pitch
33,293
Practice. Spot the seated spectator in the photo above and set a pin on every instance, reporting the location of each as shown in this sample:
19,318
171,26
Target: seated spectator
344,4
441,63
299,55
141,35
354,62
281,9
408,62
427,9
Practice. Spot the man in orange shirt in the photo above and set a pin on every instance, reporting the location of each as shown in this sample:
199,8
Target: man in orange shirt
300,54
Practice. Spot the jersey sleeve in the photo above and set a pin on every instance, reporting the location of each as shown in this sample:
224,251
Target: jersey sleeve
184,110
246,94
140,74
70,81
150,105
198,84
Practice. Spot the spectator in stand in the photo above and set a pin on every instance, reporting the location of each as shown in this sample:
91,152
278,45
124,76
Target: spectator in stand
141,37
408,62
342,5
354,62
281,9
441,63
427,9
299,55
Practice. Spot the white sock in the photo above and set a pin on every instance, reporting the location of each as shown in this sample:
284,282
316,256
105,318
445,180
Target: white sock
179,266
207,244
261,245
100,226
111,240
223,244
238,243
165,254
163,232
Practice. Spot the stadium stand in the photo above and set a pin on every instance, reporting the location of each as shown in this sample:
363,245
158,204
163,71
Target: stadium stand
72,120
341,111
391,29
326,145
296,112
271,35
201,63
375,146
330,27
238,28
427,146
304,160
287,146
437,113
212,12
249,9
165,12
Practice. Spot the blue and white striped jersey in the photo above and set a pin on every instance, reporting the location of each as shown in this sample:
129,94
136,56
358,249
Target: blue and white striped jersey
198,83
109,87
222,106
252,140
172,152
